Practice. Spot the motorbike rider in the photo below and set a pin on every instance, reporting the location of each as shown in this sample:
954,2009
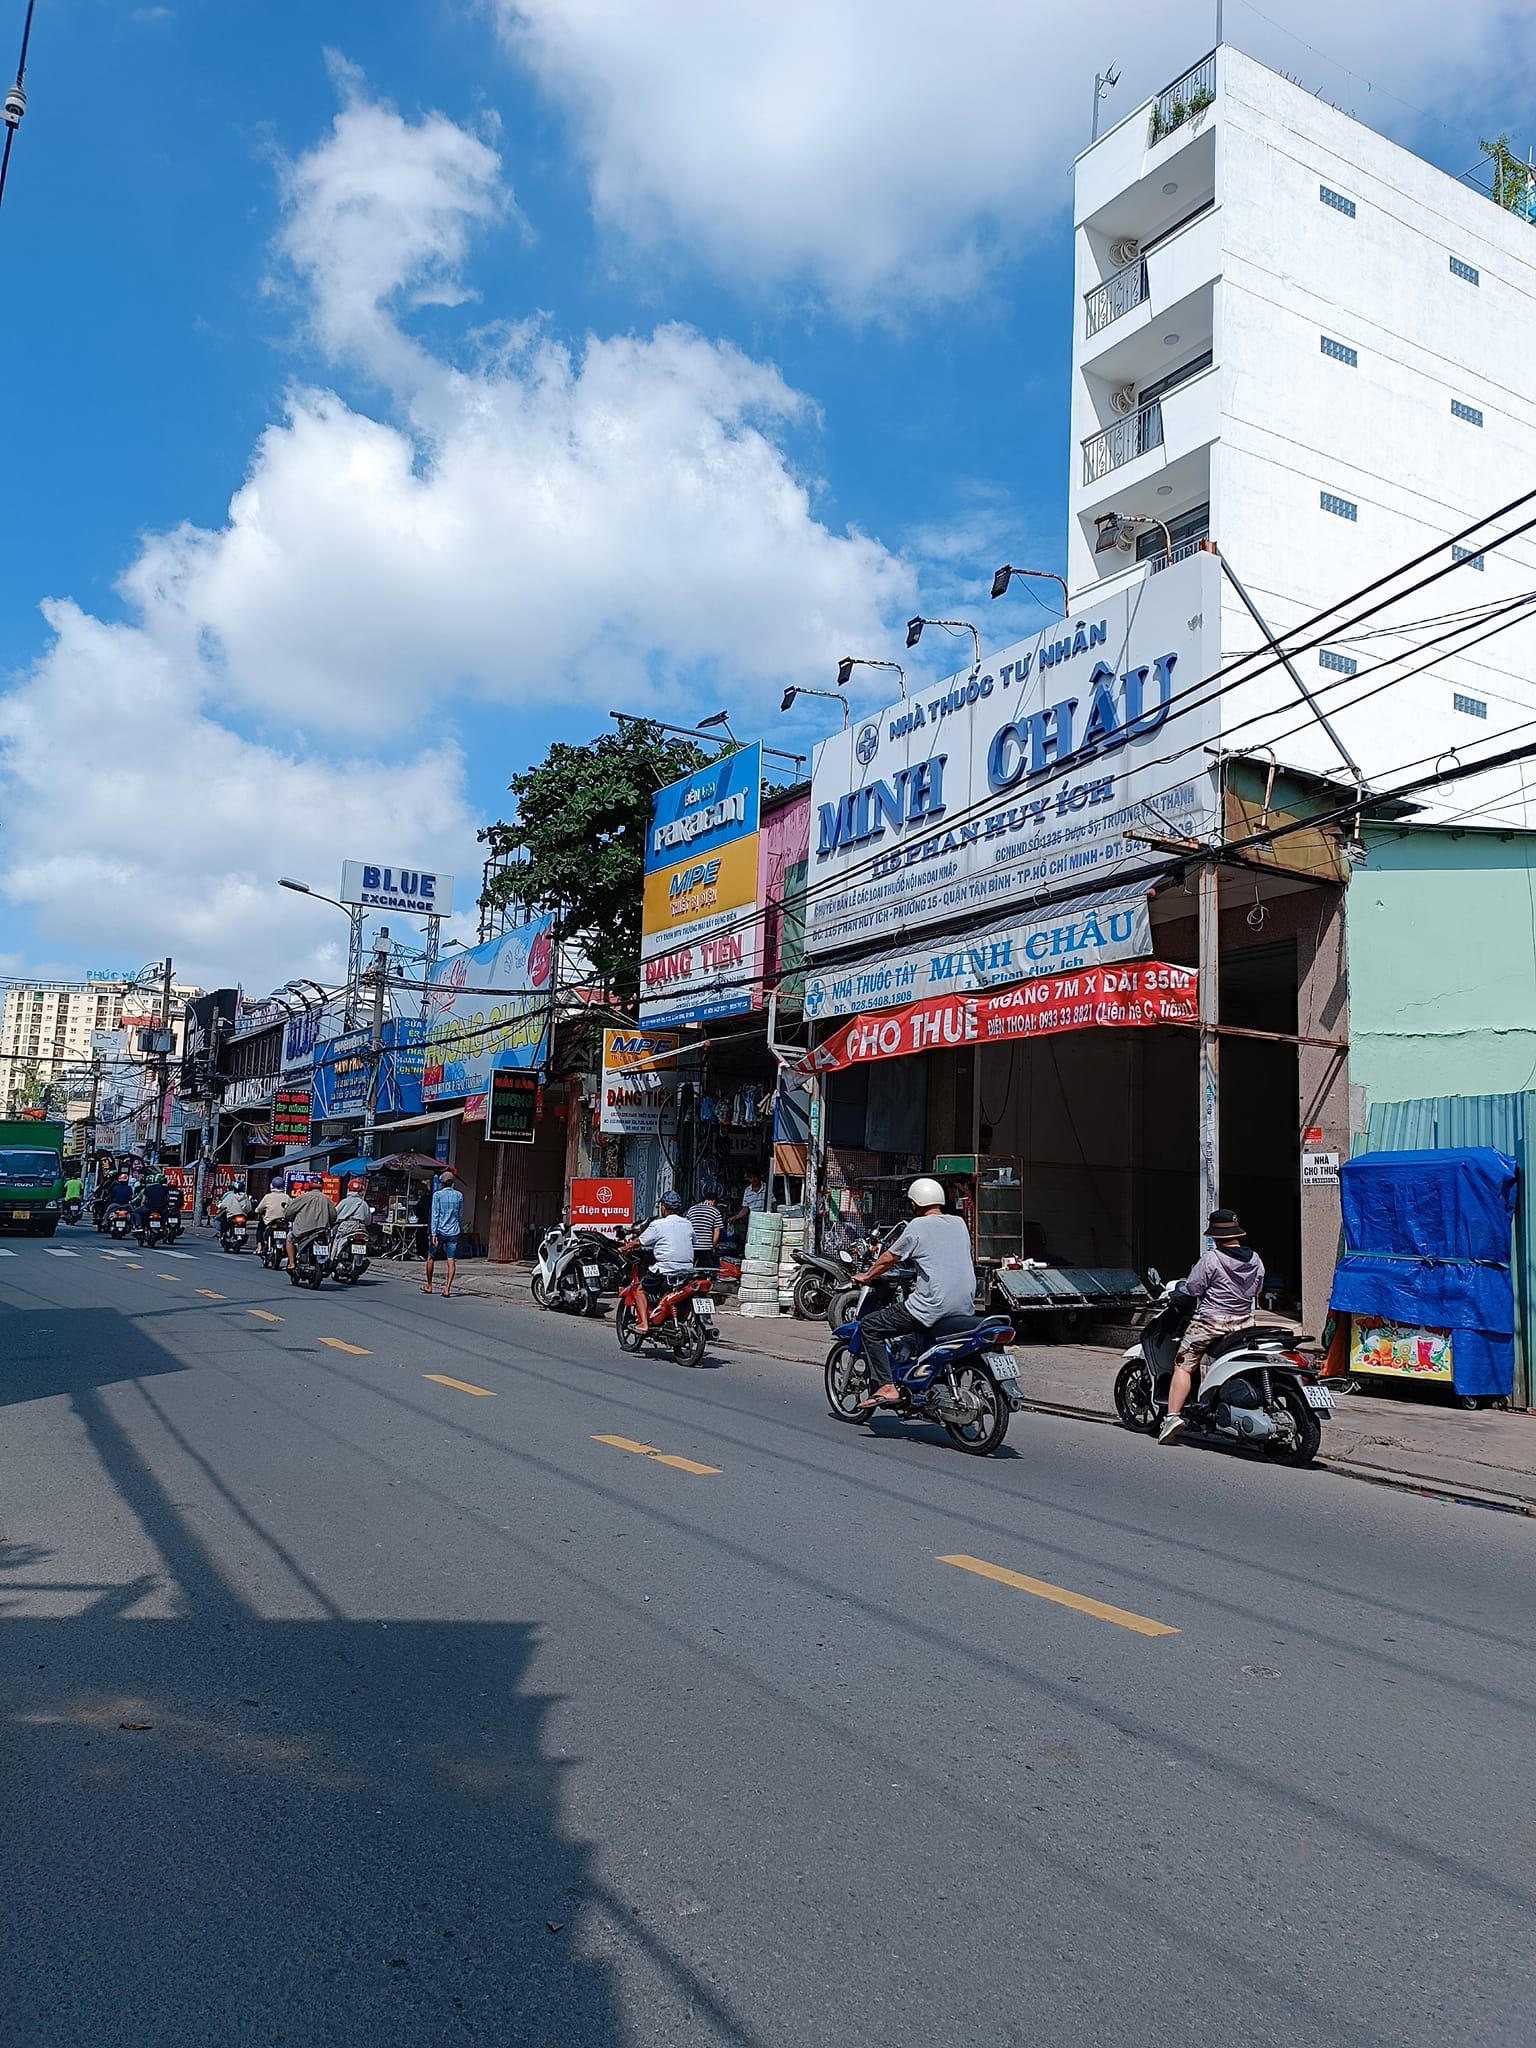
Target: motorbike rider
940,1248
269,1209
119,1192
154,1199
1226,1281
231,1203
353,1214
308,1216
669,1240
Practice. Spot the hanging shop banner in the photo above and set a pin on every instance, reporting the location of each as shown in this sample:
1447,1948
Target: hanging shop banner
1090,933
512,1106
290,1116
488,1008
639,1083
602,1204
305,1032
698,934
1150,993
977,794
342,1065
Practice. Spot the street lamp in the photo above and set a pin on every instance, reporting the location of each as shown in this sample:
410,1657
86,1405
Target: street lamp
1000,581
850,662
723,720
1118,530
353,912
799,690
915,633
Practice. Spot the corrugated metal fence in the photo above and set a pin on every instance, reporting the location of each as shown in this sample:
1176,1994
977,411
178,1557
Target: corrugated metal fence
1508,1124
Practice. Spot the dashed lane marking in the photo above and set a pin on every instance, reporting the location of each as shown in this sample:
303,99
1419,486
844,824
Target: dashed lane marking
625,1443
353,1350
1139,1624
265,1314
441,1379
168,1276
181,1255
208,1294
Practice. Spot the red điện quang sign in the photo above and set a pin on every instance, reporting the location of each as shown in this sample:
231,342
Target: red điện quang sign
1150,992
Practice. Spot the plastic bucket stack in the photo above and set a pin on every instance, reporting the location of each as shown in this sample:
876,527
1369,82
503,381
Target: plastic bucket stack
758,1294
792,1241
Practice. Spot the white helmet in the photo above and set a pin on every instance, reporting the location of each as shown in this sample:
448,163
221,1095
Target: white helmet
926,1194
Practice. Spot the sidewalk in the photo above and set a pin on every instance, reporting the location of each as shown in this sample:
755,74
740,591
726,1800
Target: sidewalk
1483,1456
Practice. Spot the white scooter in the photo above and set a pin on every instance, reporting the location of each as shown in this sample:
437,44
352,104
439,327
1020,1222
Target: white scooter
1254,1388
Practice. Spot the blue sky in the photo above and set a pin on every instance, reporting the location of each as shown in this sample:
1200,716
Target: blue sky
572,357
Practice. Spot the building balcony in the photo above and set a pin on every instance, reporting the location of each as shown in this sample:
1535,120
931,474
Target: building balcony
1170,282
1137,434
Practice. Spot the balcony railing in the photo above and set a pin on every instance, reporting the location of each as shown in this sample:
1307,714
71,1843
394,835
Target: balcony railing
1116,295
1136,434
1182,550
1188,95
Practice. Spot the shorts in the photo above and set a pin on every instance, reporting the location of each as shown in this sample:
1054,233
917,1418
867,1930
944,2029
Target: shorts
445,1247
1203,1330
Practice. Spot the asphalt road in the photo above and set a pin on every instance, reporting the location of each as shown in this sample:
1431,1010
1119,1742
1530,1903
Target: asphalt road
348,1705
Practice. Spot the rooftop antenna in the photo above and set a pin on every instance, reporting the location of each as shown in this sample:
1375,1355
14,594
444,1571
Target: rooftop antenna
1104,82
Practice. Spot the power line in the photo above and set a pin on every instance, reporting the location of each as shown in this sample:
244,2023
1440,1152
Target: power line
15,103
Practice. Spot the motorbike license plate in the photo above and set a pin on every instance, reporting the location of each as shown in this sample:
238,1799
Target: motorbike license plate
704,1310
1004,1365
1319,1397
590,1273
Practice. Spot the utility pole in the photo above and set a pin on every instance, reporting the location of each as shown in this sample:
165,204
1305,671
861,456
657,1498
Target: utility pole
1209,946
380,972
163,1071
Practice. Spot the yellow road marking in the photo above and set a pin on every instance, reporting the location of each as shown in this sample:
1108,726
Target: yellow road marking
1044,1590
625,1443
208,1294
356,1350
462,1386
167,1276
132,1265
265,1314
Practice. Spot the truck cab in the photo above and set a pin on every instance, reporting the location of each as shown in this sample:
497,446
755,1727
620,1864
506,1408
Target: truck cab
31,1175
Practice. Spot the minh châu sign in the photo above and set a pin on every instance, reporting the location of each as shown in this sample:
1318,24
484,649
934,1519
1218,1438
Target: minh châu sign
374,885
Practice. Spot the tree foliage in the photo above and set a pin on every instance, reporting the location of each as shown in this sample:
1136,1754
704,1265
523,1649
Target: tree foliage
576,843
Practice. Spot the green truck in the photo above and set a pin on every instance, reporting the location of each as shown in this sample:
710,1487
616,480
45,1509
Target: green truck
31,1175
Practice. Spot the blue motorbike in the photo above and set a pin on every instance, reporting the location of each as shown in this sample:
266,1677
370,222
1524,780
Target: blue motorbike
960,1374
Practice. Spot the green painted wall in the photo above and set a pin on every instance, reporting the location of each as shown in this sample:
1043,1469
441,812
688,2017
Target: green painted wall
1442,965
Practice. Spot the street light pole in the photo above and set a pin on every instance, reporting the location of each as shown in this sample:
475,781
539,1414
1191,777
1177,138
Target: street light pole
163,1069
380,971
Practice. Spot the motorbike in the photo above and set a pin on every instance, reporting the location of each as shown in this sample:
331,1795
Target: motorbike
348,1258
960,1374
232,1233
73,1209
826,1277
574,1269
173,1214
117,1220
1255,1387
843,1305
311,1263
274,1250
682,1320
153,1231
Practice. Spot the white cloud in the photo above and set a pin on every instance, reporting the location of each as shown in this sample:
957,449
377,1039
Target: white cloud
885,149
546,525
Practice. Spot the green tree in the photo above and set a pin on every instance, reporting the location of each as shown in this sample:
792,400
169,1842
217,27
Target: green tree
1511,177
576,843
27,1088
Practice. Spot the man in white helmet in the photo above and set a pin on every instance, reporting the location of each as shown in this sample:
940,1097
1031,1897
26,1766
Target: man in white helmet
940,1248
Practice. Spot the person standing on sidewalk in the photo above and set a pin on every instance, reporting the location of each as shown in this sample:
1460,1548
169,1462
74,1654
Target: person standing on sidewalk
1226,1282
443,1229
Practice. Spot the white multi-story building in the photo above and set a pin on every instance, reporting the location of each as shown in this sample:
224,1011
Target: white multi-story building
1301,341
52,1027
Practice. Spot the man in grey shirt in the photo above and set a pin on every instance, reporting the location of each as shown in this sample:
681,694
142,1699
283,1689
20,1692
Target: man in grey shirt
1226,1281
940,1248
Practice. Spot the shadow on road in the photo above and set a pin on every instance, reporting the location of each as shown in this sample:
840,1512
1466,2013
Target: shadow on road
226,1829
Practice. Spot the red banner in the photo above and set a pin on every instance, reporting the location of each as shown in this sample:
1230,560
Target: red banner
602,1204
1150,992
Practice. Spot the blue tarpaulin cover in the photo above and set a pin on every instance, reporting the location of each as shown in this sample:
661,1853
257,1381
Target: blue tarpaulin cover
1427,1241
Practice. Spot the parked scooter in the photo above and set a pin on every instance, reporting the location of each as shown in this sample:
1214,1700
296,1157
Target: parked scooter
960,1374
826,1276
574,1269
349,1259
682,1321
1255,1387
173,1213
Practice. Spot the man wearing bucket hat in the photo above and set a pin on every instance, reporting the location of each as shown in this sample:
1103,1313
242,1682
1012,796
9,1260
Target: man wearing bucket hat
1226,1282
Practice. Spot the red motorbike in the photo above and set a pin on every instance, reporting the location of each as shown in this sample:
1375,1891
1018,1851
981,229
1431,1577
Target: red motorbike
682,1320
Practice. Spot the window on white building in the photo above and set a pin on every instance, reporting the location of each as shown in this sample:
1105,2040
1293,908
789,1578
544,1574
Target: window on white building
1336,200
1341,352
1341,664
1466,555
1473,706
1464,271
1342,508
1469,413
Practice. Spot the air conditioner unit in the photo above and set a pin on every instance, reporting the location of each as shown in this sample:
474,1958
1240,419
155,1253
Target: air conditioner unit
1124,400
1125,251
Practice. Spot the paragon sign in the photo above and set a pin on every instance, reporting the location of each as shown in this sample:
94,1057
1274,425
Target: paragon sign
1150,993
698,945
1025,776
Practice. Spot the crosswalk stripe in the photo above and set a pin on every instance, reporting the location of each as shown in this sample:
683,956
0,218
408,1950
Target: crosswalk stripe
6,1253
179,1255
57,1251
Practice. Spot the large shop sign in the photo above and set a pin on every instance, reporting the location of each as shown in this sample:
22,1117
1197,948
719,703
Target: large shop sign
1115,997
602,1204
1090,933
979,793
488,1008
698,931
639,1083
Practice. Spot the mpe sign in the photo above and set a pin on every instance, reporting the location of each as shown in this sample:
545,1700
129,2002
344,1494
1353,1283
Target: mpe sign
422,891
